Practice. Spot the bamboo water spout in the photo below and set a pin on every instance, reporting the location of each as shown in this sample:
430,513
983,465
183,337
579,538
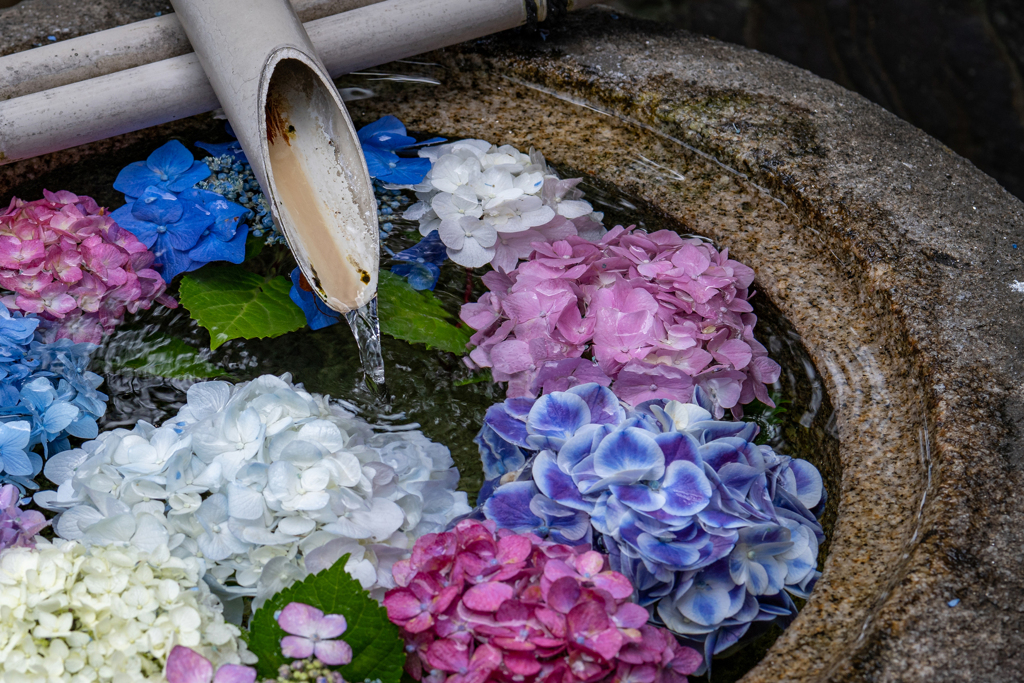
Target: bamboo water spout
297,134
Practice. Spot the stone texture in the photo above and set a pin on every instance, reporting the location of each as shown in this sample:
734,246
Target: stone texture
892,257
951,67
30,23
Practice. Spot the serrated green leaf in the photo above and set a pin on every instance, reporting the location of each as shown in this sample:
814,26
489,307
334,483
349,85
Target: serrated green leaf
231,302
156,355
416,317
378,652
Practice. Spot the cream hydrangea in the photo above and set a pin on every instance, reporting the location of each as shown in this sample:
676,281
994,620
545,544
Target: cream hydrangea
264,482
74,613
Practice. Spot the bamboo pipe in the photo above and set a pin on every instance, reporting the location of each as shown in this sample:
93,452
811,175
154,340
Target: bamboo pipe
120,48
297,136
176,88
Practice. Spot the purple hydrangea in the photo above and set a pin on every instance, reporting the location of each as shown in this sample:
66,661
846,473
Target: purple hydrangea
714,531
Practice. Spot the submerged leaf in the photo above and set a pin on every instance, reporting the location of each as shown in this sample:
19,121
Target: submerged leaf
232,302
417,317
377,650
158,356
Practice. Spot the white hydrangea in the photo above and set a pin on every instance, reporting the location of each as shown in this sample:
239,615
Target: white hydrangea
489,203
79,614
262,481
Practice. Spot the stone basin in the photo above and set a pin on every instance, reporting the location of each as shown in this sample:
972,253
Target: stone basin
893,258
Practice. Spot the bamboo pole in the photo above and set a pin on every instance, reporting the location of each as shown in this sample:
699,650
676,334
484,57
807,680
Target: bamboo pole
120,48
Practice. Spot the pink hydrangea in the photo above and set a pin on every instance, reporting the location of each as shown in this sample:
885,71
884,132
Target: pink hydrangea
63,258
657,313
476,605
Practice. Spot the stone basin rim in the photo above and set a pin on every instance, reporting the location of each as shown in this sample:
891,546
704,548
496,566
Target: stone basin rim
868,209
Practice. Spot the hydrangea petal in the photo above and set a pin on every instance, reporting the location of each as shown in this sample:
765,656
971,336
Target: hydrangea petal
333,652
630,450
184,665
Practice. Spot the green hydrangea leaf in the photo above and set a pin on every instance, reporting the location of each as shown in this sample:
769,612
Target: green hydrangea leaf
378,651
417,317
232,302
159,355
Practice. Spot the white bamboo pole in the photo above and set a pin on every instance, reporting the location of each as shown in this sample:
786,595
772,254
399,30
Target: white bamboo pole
120,48
172,89
298,137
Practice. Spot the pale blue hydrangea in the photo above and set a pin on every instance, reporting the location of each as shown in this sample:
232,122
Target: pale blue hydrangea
46,396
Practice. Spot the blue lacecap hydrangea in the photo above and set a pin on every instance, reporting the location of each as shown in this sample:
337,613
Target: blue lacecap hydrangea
47,394
716,533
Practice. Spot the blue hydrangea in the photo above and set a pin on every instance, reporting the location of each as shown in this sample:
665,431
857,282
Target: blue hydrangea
186,230
318,314
170,167
715,532
47,395
421,262
234,180
381,140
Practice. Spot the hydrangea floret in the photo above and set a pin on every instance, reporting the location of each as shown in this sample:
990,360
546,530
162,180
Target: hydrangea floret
265,481
420,264
65,259
714,531
489,204
18,527
476,604
170,167
381,140
313,634
75,613
658,313
185,665
232,178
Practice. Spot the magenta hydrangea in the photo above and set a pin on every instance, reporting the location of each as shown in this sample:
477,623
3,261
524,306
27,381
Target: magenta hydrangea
476,605
656,313
18,528
63,258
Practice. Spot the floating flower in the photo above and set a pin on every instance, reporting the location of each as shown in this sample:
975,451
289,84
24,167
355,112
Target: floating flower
474,604
313,634
714,531
380,140
185,665
489,204
185,231
17,527
64,259
266,481
658,313
113,613
46,396
170,167
421,262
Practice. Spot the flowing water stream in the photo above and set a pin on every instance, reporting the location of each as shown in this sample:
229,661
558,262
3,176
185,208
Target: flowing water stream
366,329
